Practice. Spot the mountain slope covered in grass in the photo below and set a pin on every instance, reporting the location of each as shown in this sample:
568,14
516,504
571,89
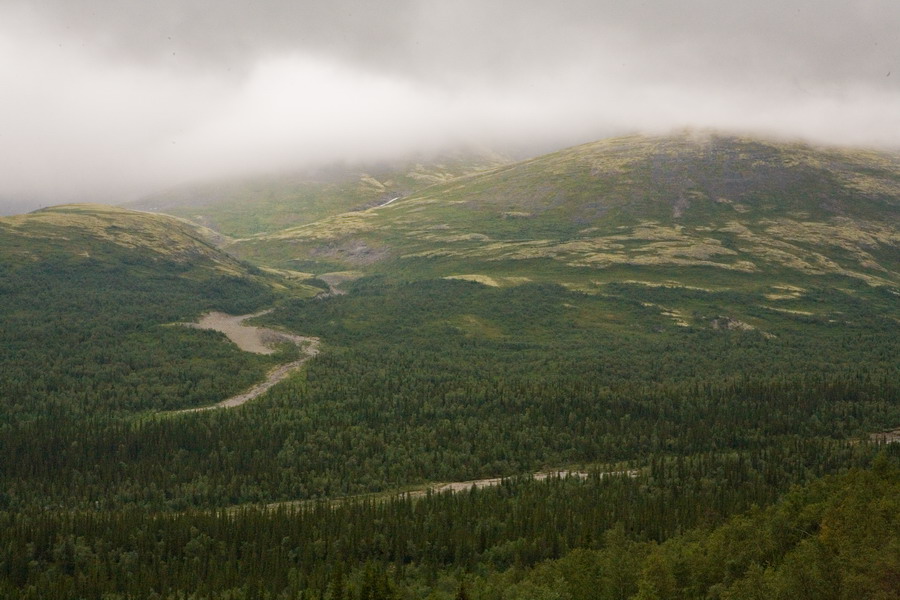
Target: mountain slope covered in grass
687,208
704,231
99,233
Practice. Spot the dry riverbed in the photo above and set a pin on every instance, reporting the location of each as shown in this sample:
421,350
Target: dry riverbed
455,487
886,437
259,340
462,486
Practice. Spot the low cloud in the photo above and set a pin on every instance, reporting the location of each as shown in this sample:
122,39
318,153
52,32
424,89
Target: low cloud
109,101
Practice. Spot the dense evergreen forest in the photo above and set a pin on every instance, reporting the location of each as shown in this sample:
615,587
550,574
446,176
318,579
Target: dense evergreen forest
402,396
695,437
655,535
90,338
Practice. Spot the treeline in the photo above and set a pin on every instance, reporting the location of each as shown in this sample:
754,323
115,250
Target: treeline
397,547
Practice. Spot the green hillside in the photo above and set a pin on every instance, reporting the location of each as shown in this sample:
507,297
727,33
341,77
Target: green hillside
711,210
95,233
579,539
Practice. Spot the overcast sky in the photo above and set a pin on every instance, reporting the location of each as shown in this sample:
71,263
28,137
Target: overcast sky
108,100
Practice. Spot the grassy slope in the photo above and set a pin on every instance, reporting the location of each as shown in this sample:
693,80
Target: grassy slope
715,209
98,232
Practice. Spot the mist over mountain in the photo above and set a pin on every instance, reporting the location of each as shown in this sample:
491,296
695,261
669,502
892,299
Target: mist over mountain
685,205
116,101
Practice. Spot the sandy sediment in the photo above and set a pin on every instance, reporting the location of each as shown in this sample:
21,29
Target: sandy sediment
259,340
462,486
886,437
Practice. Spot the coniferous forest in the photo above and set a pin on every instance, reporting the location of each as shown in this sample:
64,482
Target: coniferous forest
722,465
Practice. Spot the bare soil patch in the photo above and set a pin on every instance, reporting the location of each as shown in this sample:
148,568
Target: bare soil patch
462,486
259,340
886,437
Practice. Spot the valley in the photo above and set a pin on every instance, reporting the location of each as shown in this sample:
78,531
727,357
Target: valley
716,316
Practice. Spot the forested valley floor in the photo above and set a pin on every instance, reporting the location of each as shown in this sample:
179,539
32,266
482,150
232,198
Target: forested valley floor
123,502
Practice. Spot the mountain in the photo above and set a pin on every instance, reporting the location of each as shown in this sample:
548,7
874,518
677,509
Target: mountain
699,209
